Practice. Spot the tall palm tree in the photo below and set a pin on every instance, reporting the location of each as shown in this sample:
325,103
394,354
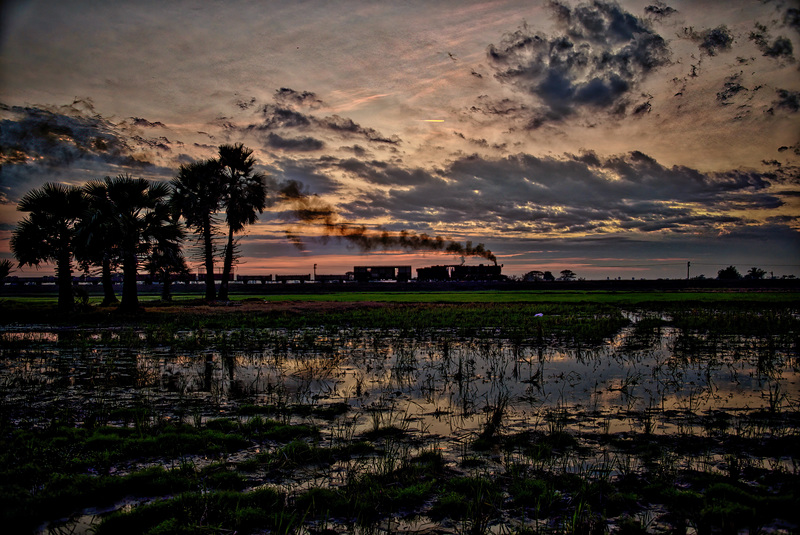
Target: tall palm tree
197,196
47,234
245,196
98,238
141,217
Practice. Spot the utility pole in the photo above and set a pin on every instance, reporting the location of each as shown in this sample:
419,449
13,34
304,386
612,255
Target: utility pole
315,272
687,270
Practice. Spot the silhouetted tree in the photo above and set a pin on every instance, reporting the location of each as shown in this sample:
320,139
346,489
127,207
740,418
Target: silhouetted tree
533,276
756,273
729,273
197,196
98,238
567,275
6,267
244,197
166,260
548,276
141,213
47,234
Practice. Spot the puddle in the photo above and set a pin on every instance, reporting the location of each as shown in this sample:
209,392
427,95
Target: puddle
440,390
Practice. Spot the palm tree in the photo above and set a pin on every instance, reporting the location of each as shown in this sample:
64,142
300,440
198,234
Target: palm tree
6,267
47,234
165,260
245,196
755,273
197,196
98,236
141,217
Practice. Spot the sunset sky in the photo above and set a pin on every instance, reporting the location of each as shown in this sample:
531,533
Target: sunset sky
613,139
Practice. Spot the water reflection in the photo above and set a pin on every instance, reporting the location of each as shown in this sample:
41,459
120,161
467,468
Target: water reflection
446,383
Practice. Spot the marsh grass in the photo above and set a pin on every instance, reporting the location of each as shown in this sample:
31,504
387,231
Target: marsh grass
461,415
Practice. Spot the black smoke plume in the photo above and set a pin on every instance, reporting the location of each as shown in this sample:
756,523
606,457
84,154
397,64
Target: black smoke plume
311,210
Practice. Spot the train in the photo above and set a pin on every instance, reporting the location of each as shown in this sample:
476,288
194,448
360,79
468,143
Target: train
360,274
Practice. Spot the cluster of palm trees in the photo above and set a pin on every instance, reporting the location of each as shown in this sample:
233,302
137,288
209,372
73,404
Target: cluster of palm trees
121,221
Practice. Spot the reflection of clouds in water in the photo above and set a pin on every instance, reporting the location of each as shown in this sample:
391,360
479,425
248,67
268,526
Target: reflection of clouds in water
445,384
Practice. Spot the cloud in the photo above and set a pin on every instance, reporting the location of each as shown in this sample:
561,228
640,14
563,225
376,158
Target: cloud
290,97
780,48
382,173
660,10
596,63
276,117
792,18
481,142
138,121
731,88
281,117
344,125
788,100
303,144
711,41
573,195
502,108
245,104
68,142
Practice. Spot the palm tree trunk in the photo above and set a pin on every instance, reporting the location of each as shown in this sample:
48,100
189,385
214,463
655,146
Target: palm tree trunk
130,297
66,298
166,287
208,246
108,285
226,267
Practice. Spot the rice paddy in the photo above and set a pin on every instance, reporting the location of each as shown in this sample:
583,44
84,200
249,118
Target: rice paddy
501,412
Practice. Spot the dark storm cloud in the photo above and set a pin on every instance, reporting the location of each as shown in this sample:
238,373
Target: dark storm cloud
502,108
780,47
40,144
138,121
596,63
284,114
344,125
711,41
281,117
794,148
275,117
792,18
58,137
579,193
788,100
290,97
358,150
731,88
642,108
302,144
660,10
783,219
481,142
378,172
245,104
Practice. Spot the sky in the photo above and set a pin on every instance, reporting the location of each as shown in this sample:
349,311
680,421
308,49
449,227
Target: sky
616,139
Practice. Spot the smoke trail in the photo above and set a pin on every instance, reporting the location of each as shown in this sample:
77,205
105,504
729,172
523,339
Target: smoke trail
311,210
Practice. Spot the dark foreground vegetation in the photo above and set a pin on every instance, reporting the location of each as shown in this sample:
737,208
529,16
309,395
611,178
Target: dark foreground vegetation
92,439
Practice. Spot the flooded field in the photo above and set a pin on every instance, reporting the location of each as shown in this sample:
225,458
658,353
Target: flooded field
621,421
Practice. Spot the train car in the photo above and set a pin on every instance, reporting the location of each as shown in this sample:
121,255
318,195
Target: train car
382,273
461,272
